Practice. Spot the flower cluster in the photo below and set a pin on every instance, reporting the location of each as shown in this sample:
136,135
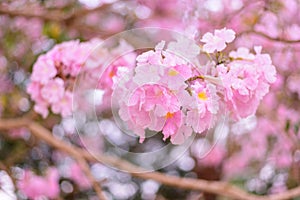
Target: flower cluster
246,81
153,97
54,73
167,91
168,94
53,76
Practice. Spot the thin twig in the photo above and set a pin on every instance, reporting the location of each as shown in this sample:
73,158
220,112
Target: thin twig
45,135
275,39
85,167
42,133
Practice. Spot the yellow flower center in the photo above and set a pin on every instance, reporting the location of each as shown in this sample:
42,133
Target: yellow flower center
202,96
169,115
112,74
158,93
172,72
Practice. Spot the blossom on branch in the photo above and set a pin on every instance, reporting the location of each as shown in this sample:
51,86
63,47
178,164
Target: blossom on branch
218,40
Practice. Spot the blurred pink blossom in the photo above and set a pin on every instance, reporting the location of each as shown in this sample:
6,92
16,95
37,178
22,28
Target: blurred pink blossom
36,187
76,174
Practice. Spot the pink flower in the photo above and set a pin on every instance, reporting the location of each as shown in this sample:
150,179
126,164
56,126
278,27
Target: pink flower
43,70
152,57
173,59
214,157
157,98
155,107
174,77
184,47
182,134
64,106
161,57
242,53
167,94
241,83
263,64
41,105
246,82
77,175
172,124
111,74
53,91
54,75
71,55
41,108
200,115
35,187
218,40
34,89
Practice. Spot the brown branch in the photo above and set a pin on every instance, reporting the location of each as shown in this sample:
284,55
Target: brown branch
70,19
45,135
49,15
85,167
249,32
216,187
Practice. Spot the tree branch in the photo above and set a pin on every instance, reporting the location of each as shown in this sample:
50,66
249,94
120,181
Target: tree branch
268,37
49,15
216,187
